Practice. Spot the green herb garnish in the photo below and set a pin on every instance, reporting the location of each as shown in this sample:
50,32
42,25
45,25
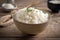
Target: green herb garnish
28,10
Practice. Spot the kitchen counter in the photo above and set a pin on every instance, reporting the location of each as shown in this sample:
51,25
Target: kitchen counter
52,32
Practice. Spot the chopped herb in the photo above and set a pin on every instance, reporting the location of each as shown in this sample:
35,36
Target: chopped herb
28,10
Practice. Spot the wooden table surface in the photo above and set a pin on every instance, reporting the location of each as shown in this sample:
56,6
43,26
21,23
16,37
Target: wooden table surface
52,32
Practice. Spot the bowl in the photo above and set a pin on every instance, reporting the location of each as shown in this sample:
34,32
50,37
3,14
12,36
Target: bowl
53,6
30,28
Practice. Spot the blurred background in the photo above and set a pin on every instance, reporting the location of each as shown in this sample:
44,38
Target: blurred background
25,2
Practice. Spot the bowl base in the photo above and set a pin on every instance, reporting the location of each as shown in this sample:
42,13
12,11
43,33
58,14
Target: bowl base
30,34
6,11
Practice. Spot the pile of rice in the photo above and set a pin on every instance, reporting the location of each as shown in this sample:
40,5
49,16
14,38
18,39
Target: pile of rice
8,6
55,1
33,17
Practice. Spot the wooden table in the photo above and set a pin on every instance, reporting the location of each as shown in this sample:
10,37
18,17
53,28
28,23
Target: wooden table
52,32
